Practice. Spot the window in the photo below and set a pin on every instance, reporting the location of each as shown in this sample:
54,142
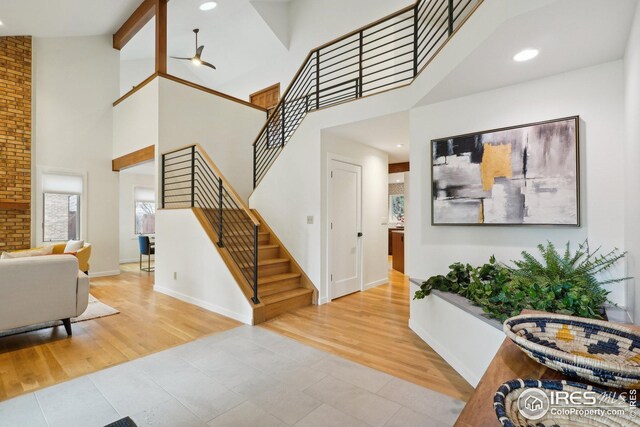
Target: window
61,212
145,206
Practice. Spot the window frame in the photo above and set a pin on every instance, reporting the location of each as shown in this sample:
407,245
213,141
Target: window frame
38,197
78,219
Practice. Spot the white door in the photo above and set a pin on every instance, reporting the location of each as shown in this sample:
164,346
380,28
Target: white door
345,226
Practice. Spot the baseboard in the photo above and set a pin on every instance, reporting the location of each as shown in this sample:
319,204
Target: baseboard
449,357
104,273
376,283
206,305
323,300
136,260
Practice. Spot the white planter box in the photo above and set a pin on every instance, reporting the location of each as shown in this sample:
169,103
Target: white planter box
458,331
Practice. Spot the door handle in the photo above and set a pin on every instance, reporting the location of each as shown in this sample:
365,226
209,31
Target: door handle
360,234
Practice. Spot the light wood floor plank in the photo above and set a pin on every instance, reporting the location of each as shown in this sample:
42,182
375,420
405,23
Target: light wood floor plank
148,322
371,328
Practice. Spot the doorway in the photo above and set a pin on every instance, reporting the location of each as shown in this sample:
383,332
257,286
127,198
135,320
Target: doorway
345,228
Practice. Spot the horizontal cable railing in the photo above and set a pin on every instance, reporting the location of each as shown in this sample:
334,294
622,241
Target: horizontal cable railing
381,56
191,180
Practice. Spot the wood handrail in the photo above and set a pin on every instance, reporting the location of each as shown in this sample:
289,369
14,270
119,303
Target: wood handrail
211,91
232,192
186,83
136,88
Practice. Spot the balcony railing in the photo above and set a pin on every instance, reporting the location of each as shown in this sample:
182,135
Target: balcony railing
384,55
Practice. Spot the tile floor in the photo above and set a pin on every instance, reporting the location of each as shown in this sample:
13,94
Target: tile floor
246,376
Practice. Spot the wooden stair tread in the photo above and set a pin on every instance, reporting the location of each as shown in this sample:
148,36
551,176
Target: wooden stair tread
247,248
244,233
269,261
285,295
276,278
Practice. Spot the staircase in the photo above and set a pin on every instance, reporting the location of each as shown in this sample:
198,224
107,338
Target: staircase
282,285
387,54
266,272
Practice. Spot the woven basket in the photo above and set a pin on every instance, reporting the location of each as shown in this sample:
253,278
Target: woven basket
594,350
617,409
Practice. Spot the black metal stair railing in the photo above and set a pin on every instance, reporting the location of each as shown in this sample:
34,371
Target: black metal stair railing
384,55
191,180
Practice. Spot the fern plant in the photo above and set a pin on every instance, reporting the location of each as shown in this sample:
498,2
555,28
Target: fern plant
559,283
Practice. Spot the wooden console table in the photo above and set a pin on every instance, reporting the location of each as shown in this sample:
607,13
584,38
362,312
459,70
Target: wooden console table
508,364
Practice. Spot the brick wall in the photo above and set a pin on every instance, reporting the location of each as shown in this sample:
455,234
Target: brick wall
15,141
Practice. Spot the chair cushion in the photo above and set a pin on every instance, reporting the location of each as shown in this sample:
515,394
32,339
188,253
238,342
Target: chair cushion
74,246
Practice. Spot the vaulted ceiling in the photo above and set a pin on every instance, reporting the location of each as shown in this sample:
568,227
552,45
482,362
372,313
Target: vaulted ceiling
64,18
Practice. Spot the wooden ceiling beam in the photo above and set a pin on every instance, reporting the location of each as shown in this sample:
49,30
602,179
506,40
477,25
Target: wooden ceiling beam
133,159
134,23
398,167
161,36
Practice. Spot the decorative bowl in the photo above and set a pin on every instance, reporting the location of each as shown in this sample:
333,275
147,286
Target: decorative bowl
541,403
594,350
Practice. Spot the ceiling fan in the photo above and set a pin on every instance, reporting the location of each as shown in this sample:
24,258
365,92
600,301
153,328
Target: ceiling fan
196,59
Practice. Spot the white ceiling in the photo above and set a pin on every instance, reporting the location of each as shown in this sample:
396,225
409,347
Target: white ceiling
396,178
64,18
570,34
383,133
237,38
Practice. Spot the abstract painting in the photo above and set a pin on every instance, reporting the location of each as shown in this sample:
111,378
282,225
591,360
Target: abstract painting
521,175
396,208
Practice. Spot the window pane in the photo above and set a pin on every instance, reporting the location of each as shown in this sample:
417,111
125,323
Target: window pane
145,218
61,217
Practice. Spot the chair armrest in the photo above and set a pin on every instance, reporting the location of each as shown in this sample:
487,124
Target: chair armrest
83,256
82,293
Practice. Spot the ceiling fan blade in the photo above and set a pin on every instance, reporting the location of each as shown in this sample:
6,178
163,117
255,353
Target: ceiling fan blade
177,57
206,64
199,51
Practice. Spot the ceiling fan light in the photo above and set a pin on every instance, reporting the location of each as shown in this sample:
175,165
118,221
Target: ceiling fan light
208,5
196,61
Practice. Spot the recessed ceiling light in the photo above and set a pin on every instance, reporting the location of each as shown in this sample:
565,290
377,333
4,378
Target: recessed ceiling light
1,24
208,5
399,145
526,55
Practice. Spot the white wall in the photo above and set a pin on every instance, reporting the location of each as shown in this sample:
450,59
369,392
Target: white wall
75,81
226,129
596,94
375,190
134,71
135,120
202,278
129,248
632,155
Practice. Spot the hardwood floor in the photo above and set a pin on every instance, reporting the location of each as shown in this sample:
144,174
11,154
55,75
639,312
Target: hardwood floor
367,327
148,322
371,328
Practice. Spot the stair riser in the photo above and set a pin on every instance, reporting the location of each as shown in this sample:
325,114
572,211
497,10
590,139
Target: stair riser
268,270
271,269
275,309
263,239
265,253
281,286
